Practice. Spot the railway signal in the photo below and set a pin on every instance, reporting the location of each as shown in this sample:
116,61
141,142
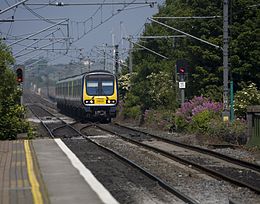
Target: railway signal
181,70
182,66
19,75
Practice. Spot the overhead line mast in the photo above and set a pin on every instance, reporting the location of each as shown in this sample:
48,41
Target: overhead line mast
225,113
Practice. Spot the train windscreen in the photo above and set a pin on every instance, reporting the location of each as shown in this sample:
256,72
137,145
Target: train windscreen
100,85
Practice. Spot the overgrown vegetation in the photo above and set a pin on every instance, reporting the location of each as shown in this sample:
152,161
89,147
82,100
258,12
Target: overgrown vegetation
11,113
202,116
249,95
153,88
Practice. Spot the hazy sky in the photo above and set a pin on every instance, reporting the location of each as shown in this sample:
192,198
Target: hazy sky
88,26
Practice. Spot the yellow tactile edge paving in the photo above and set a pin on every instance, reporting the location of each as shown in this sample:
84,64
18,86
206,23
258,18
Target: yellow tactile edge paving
37,196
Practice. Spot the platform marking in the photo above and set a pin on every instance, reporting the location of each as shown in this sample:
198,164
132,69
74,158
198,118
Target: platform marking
96,186
37,196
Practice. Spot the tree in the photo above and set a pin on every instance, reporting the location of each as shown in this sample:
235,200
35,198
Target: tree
205,62
11,122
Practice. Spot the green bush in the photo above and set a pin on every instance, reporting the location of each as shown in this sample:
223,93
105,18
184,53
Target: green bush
181,124
132,112
234,133
12,122
249,95
200,122
161,119
131,109
31,132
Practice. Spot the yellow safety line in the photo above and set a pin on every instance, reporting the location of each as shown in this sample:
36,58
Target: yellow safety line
37,196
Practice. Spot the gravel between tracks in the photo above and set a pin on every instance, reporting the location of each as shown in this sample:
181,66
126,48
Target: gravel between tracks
126,184
191,182
239,153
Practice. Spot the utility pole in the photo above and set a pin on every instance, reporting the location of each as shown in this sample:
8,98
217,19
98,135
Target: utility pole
104,54
116,60
225,113
130,55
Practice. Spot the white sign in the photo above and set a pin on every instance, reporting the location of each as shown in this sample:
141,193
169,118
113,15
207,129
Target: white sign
182,85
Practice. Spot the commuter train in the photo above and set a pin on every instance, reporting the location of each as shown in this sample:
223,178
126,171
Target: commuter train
92,95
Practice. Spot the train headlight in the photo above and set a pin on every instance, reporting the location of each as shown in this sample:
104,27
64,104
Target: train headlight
111,101
89,101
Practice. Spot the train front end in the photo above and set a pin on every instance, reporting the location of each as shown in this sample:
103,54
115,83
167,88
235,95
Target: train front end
100,94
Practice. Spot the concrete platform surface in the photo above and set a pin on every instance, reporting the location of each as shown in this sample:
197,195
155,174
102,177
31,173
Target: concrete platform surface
46,171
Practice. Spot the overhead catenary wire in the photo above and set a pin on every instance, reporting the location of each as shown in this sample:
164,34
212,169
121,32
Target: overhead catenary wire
17,56
13,6
186,17
34,34
11,24
36,41
148,49
187,34
110,55
79,35
34,19
151,3
103,21
38,15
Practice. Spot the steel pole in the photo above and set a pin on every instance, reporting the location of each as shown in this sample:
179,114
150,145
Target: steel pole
226,113
130,55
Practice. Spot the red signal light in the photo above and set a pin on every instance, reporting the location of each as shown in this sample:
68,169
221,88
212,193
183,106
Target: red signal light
19,75
182,70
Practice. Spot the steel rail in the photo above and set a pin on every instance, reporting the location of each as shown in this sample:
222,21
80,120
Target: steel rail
163,184
212,172
49,131
239,162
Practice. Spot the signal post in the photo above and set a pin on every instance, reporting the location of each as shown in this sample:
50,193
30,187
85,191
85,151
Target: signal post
19,79
181,69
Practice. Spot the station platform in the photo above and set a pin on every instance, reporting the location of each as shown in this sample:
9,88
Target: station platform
46,171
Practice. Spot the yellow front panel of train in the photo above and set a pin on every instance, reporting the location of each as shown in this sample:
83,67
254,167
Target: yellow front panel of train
99,100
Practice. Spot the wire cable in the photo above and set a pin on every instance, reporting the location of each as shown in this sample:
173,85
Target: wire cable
38,15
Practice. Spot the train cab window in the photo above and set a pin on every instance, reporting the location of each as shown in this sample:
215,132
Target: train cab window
92,88
107,87
100,85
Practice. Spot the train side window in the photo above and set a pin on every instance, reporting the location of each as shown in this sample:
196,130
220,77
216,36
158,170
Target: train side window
61,88
66,89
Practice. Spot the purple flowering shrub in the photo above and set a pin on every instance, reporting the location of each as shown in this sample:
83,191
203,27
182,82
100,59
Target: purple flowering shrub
201,115
196,113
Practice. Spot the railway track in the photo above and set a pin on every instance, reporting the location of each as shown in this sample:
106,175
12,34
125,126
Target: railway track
57,128
221,166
